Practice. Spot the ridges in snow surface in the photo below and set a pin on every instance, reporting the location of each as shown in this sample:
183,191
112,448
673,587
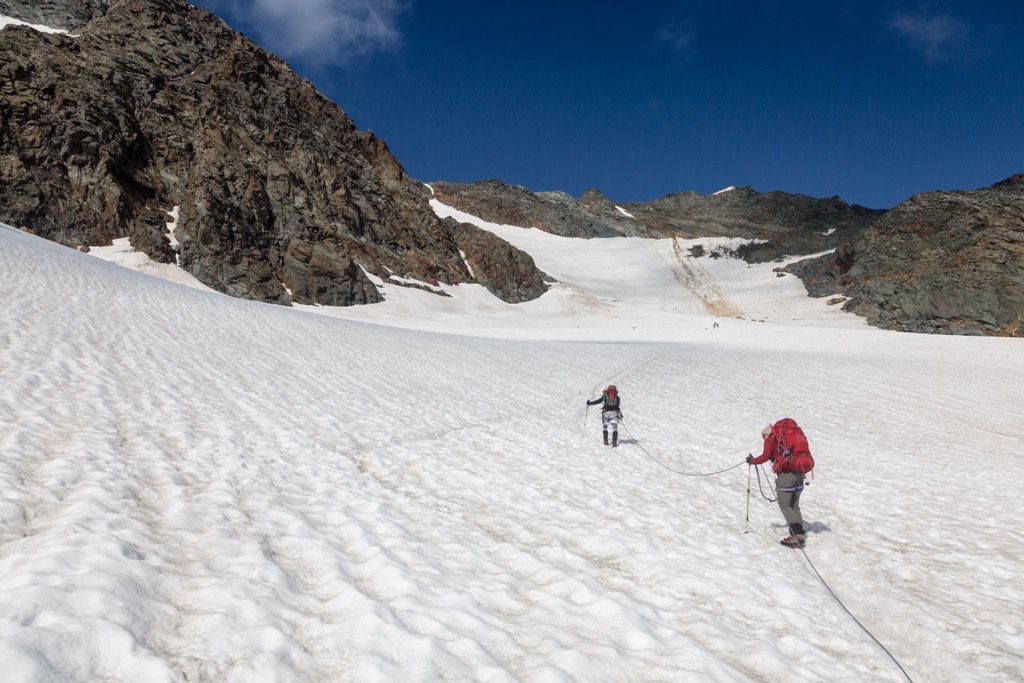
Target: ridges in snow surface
201,488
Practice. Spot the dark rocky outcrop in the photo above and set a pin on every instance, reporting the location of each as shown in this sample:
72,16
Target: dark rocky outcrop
783,224
941,262
153,104
591,215
949,262
58,14
498,265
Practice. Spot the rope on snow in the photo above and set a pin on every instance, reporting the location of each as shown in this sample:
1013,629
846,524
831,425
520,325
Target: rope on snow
772,500
855,619
670,469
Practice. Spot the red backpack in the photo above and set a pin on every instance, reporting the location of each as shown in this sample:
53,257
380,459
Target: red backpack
791,446
611,398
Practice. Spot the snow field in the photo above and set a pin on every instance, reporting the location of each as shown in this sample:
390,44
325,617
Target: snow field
201,488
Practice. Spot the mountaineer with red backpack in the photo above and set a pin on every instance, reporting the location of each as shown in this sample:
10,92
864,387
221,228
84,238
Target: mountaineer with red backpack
610,413
786,446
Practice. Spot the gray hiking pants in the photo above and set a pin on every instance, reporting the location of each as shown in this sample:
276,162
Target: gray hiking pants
788,486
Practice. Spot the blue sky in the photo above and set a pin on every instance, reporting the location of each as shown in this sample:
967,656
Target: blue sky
871,101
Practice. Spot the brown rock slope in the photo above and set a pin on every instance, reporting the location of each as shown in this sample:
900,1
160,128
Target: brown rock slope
947,262
153,104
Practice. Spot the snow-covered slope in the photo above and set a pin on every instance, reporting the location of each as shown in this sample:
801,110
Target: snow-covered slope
617,289
195,487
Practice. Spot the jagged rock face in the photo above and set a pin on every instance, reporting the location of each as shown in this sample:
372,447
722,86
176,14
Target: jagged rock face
62,14
592,215
497,264
784,224
946,262
155,104
950,262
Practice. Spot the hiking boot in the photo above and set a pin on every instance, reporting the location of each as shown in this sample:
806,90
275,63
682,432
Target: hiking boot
796,541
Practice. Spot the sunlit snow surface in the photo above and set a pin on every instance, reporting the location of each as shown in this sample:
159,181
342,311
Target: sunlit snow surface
199,488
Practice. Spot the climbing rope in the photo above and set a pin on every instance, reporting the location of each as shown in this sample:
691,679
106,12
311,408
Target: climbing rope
768,480
773,499
671,469
771,488
855,619
820,578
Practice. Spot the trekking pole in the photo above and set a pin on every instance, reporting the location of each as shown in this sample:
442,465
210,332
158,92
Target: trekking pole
748,527
585,416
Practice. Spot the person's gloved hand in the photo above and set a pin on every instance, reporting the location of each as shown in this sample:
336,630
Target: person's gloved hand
749,458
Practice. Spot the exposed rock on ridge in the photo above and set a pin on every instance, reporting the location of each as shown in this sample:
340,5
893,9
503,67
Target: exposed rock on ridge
592,215
941,262
59,14
949,262
784,224
155,104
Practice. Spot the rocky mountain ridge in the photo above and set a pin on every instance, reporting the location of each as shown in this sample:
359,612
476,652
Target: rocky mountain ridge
940,262
947,262
155,104
777,223
58,14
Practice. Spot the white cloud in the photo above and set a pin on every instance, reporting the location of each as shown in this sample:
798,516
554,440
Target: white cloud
939,37
322,31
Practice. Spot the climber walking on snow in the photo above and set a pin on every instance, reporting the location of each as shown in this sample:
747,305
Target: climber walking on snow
610,413
786,446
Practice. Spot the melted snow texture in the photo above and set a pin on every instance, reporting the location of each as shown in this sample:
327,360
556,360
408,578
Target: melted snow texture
200,488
